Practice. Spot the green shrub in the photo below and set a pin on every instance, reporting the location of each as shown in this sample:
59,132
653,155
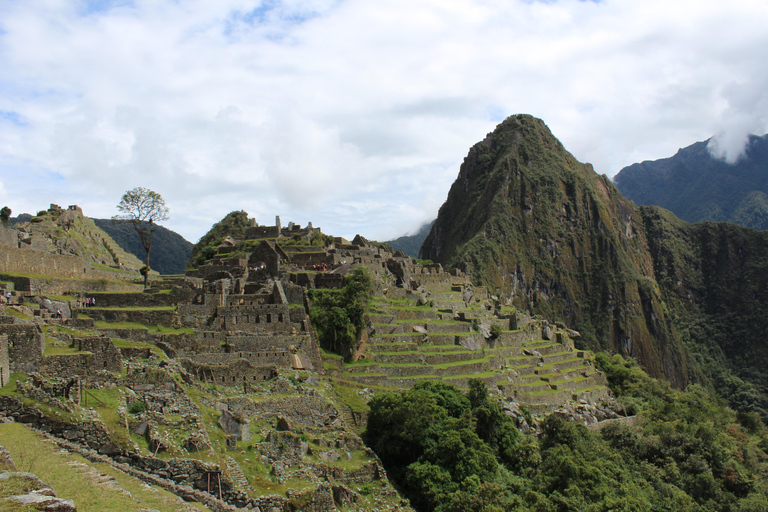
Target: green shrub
137,407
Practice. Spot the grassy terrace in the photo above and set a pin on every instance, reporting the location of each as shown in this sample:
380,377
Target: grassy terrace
92,486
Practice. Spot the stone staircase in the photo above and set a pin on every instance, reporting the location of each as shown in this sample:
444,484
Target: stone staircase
236,474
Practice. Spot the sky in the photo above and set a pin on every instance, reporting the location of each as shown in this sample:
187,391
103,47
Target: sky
352,114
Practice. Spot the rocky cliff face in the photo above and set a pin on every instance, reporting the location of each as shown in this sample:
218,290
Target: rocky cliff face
547,233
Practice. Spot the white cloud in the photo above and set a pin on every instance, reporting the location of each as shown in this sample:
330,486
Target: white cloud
353,115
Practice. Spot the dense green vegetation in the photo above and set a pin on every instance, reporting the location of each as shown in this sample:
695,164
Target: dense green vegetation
695,186
170,251
234,225
451,452
338,315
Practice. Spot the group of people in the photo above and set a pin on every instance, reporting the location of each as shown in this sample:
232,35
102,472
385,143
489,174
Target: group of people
87,302
325,266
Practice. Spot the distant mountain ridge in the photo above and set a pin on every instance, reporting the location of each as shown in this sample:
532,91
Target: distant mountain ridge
170,251
410,244
696,186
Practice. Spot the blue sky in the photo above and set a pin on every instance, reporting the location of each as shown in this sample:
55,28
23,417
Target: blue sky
352,114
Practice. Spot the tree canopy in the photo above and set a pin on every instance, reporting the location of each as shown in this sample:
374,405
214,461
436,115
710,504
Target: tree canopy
458,452
143,208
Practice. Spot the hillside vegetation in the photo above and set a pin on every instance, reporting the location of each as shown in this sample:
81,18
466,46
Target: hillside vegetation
682,451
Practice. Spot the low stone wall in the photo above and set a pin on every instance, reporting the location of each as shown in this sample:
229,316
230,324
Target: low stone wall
92,433
146,317
138,299
261,343
66,365
62,286
5,365
442,328
281,358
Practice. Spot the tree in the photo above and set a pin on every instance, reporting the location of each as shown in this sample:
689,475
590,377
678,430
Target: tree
5,214
143,208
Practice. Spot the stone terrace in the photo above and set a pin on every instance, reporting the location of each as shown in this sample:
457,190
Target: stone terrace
531,363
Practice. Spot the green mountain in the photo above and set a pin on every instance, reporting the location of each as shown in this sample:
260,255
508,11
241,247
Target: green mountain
696,186
170,251
410,244
545,232
234,225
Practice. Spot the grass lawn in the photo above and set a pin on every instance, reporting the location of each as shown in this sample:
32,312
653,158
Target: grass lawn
93,486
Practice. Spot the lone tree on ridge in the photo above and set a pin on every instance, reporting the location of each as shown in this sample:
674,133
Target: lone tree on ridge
143,208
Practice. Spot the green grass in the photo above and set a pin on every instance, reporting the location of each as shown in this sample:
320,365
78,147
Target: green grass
82,482
17,314
10,387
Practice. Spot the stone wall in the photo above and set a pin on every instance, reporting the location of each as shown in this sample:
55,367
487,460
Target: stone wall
306,410
9,237
92,433
62,286
239,343
26,344
165,318
5,368
294,294
26,261
238,372
281,358
198,343
235,424
66,365
270,317
196,315
138,299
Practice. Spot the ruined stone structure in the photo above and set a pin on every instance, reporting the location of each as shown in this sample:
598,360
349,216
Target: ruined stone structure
26,344
235,424
105,355
237,372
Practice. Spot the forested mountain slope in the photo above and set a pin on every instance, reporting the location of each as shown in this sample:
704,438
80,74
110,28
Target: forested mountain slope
170,251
